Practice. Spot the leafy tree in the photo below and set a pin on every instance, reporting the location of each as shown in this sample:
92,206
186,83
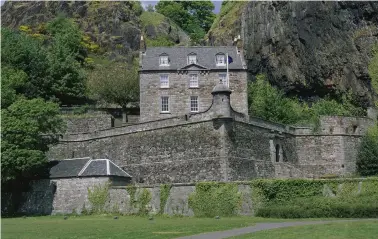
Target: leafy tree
367,162
115,82
28,128
52,63
194,17
150,8
271,104
12,83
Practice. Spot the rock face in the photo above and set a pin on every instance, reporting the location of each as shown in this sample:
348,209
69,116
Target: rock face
115,26
312,49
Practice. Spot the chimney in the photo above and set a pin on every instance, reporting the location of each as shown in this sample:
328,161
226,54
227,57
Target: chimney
142,45
142,50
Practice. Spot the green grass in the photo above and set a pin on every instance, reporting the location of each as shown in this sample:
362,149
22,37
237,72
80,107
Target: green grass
86,227
338,230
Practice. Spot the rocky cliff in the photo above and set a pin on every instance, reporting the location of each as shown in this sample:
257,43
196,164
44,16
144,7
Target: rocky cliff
309,49
115,27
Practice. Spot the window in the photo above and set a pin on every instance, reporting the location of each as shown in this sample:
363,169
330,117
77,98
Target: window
164,104
223,79
164,81
192,59
193,82
164,61
193,103
220,60
277,153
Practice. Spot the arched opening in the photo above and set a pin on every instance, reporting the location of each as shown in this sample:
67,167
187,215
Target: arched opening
277,153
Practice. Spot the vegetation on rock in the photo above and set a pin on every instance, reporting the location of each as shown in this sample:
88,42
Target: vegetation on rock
194,17
269,103
367,163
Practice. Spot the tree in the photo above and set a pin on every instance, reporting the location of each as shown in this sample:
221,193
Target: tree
28,128
52,63
150,8
115,82
194,17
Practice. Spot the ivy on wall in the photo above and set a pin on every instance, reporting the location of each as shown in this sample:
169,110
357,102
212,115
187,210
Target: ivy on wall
164,194
215,199
97,196
141,202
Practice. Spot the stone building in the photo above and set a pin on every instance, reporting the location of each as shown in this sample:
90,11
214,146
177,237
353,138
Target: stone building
174,144
178,80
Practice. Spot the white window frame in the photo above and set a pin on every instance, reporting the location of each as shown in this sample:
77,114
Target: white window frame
164,104
193,80
164,81
223,77
164,60
191,61
218,58
194,105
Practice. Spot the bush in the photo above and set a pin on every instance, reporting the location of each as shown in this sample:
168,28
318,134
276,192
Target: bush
270,103
316,207
215,199
367,162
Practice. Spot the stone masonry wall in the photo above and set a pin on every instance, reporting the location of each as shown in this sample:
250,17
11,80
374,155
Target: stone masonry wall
184,153
59,195
179,93
87,123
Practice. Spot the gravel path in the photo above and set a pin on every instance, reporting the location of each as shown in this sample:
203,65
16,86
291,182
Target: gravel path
260,227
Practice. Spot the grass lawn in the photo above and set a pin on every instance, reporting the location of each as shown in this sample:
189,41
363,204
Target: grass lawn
337,230
106,227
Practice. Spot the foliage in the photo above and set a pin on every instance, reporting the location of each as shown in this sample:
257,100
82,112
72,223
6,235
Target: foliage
13,81
132,191
114,82
150,8
98,197
363,207
144,199
194,17
159,41
28,128
301,198
367,162
52,63
215,199
151,18
373,69
164,194
269,103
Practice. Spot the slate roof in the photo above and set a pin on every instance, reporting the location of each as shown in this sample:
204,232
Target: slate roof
178,57
85,167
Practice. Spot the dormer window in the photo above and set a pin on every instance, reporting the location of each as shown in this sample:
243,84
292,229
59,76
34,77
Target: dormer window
220,60
164,60
192,59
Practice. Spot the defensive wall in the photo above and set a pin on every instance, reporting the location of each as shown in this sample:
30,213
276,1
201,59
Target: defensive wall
220,144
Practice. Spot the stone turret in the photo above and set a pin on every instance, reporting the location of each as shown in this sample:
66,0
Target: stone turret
221,101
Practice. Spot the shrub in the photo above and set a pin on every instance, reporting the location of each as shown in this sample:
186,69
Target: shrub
215,199
313,207
270,103
98,197
367,162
